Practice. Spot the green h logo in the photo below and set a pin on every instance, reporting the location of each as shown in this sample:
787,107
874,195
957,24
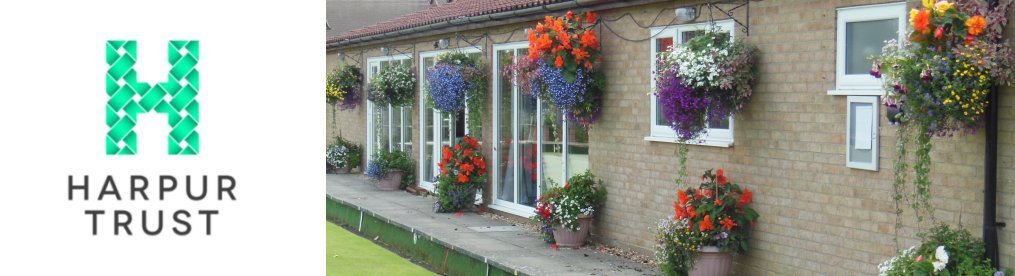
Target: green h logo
174,97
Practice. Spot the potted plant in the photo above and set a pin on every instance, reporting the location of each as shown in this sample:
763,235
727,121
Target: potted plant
343,156
565,213
712,222
391,170
463,173
945,251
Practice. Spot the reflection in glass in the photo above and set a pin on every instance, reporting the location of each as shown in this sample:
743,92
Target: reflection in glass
527,154
552,141
577,150
505,162
866,38
428,127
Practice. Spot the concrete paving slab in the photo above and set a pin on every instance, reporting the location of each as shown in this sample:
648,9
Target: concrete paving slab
520,249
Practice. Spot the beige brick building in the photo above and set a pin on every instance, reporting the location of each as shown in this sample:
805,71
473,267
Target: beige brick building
789,145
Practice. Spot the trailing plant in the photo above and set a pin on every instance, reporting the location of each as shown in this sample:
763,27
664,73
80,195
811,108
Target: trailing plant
938,83
564,56
394,84
350,80
393,160
456,81
562,206
713,214
462,173
944,251
705,81
344,153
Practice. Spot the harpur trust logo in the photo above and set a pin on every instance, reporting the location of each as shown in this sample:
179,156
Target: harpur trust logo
176,97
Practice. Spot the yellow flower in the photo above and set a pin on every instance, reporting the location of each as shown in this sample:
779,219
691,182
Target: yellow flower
942,7
928,4
912,16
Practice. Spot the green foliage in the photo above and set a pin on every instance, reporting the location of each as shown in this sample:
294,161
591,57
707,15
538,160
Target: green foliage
945,251
560,206
399,160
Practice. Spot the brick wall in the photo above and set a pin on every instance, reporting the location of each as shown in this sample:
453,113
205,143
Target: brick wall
818,216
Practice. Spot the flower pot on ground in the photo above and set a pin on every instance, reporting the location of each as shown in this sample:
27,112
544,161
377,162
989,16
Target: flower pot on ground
565,237
343,156
711,224
711,262
391,181
391,170
565,213
462,175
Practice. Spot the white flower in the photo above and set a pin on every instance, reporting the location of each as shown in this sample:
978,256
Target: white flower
940,258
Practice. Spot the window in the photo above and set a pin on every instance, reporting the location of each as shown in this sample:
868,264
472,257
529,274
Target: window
533,143
436,128
388,127
862,132
717,135
861,33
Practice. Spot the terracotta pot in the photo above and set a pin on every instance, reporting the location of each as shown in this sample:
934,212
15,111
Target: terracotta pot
390,181
342,170
567,238
712,262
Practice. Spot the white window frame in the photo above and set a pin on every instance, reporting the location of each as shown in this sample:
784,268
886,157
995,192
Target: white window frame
371,131
875,117
508,206
663,133
437,117
862,84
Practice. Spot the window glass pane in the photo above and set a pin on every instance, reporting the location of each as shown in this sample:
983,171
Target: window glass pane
577,150
428,127
661,45
381,121
527,138
686,36
396,130
866,38
407,128
722,124
505,161
476,124
553,159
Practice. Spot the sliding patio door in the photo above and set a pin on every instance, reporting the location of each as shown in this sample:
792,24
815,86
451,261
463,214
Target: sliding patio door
437,129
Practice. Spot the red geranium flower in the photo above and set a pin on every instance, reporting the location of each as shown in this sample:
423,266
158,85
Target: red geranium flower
728,223
706,224
745,198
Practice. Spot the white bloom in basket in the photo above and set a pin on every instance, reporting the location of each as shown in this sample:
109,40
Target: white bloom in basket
940,258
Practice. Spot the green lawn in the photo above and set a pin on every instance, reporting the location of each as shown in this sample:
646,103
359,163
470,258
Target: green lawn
349,254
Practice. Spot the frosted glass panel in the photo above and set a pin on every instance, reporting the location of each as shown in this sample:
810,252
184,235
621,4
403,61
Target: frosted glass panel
866,38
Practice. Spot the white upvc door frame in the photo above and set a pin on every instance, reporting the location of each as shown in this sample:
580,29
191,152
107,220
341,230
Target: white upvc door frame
372,140
438,119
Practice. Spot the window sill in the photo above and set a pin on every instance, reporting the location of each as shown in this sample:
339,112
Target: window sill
856,92
706,142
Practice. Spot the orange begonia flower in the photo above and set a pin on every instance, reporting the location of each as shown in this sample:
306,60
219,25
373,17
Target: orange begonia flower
467,168
921,22
590,17
680,213
559,62
480,162
721,177
728,223
745,198
462,178
682,196
976,25
579,54
706,224
569,15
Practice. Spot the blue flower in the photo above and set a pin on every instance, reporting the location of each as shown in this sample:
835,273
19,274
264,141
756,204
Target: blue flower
448,88
376,170
562,92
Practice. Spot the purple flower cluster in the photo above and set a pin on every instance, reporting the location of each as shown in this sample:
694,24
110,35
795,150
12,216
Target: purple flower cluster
564,93
448,88
353,97
682,105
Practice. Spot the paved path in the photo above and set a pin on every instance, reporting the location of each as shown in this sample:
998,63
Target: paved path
520,249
